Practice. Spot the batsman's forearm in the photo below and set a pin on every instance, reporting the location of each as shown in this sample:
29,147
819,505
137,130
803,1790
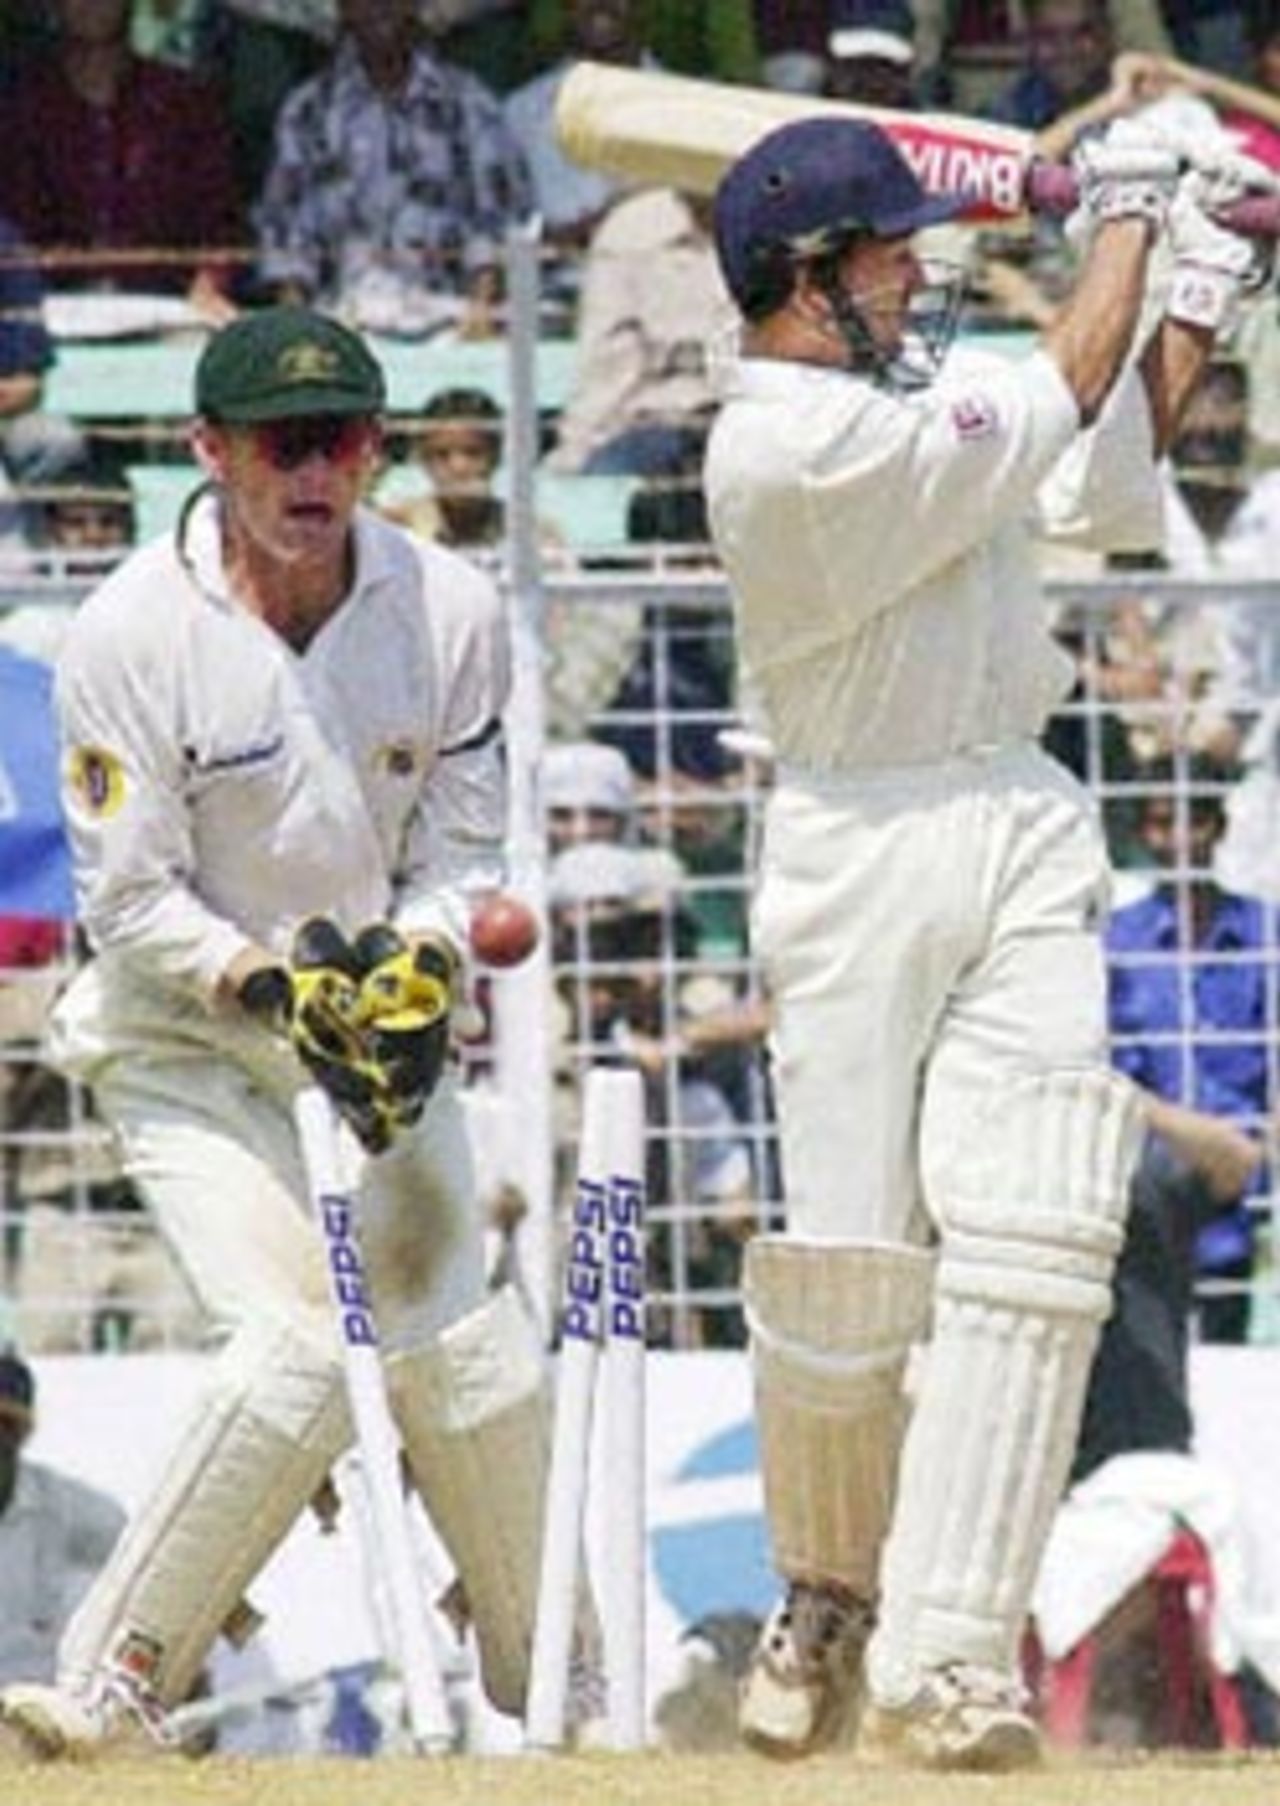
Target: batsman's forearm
1172,366
1092,335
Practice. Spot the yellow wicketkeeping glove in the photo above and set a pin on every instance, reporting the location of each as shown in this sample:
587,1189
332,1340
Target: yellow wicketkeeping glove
405,996
327,1028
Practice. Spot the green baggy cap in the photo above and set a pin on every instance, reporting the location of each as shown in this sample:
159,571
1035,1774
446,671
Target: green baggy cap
284,362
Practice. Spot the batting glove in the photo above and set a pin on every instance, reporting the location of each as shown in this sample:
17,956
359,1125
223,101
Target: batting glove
1124,173
1212,264
405,999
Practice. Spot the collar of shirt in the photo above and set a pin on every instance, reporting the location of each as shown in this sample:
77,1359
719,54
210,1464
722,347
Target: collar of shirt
199,546
776,378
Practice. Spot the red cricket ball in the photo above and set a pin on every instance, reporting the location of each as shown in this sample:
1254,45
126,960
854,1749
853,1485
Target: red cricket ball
503,930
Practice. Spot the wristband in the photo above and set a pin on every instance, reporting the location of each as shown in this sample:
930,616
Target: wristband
1202,296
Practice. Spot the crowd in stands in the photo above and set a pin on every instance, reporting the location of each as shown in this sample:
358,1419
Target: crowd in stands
370,157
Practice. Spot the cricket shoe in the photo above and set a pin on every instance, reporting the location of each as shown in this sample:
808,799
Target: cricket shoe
804,1683
961,1717
54,1724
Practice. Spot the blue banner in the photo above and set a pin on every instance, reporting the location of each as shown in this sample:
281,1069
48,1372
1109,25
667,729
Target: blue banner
35,863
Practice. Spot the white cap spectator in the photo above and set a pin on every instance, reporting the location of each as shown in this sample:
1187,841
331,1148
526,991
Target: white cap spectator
875,28
585,774
588,794
599,871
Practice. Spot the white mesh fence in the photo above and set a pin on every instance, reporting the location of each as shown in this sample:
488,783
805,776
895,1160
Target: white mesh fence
649,959
622,629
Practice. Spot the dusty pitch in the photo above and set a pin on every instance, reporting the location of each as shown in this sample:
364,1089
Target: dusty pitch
651,1780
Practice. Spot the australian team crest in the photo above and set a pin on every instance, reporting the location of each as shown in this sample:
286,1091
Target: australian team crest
307,362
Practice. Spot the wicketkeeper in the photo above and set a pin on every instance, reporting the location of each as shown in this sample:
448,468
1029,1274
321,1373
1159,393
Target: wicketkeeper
283,778
956,1152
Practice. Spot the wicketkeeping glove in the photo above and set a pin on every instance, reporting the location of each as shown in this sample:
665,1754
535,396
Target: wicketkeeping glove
405,998
326,1025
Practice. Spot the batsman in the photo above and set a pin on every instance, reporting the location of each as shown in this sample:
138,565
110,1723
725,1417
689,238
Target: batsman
283,778
955,1150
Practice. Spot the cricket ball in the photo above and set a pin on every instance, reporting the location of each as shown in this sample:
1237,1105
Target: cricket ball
504,930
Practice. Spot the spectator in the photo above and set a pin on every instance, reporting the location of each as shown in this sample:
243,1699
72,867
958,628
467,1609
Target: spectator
714,39
1223,522
792,38
1066,62
88,515
588,794
871,53
393,181
652,299
967,50
81,523
1178,673
107,152
676,696
569,198
1138,1396
1194,978
35,446
1223,525
26,352
459,450
261,50
55,1533
1213,34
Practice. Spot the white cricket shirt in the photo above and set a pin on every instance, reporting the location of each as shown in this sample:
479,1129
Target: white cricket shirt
220,786
881,554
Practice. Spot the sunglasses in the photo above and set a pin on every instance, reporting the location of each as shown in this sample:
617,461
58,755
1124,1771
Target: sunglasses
287,444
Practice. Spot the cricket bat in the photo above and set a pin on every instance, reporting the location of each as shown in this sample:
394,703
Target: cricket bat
662,130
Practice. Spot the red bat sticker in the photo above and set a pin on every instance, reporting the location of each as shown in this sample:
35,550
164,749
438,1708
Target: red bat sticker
948,162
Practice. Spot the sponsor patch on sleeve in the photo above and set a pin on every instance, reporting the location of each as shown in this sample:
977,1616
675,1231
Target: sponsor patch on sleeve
974,417
95,778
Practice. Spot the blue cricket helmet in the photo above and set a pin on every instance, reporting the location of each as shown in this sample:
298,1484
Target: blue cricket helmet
807,187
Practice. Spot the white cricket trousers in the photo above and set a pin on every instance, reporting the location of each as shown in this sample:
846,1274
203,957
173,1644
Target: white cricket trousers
216,1157
927,933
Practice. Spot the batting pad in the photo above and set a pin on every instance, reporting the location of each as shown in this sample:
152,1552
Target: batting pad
262,1438
473,1409
1023,1287
831,1327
